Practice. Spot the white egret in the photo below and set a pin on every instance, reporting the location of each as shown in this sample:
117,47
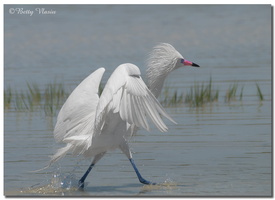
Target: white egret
91,125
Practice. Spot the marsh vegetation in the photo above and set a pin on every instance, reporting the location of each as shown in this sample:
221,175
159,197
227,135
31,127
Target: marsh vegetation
50,98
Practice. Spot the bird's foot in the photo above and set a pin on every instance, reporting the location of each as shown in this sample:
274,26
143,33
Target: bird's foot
81,184
143,181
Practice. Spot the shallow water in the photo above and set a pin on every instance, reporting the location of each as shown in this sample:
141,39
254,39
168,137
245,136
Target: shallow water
221,149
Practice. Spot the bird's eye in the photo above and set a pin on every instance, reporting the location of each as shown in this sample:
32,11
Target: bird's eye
182,60
136,76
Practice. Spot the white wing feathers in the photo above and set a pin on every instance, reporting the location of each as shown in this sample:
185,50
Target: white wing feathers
76,117
137,103
79,109
126,93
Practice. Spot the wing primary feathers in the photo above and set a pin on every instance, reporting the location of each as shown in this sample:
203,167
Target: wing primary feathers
123,106
160,108
137,115
129,109
142,113
152,115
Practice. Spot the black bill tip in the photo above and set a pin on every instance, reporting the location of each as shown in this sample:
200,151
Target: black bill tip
195,65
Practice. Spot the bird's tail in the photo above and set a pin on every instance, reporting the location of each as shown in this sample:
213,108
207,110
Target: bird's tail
57,156
60,153
80,143
75,144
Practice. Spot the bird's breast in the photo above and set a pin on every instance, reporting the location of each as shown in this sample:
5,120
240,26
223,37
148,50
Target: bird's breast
112,135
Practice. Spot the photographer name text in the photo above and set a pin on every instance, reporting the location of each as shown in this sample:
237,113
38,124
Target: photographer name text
39,11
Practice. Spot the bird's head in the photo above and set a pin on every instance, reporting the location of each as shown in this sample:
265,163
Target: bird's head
180,61
165,57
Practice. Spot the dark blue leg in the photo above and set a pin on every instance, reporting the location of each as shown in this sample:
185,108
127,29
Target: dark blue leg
96,159
142,180
81,181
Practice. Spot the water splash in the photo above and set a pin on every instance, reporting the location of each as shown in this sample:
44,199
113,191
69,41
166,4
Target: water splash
61,184
64,181
168,184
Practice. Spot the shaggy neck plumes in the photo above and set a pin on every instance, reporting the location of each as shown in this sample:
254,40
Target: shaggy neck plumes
163,59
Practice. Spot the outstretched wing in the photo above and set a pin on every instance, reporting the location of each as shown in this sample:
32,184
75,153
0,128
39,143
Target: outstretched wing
126,93
84,114
76,116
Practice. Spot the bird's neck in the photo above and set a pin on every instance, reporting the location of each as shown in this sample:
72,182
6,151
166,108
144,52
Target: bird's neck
156,77
156,85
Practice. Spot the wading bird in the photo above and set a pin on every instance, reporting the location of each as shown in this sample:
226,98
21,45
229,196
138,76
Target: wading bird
91,125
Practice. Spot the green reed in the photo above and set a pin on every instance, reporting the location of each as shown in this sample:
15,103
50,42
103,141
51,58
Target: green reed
34,98
200,94
50,98
171,100
53,95
8,98
21,102
33,94
259,92
231,93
